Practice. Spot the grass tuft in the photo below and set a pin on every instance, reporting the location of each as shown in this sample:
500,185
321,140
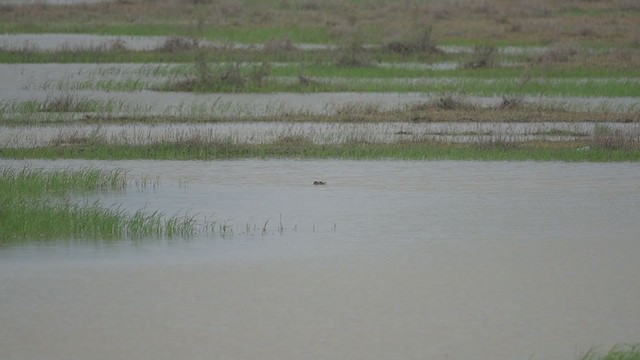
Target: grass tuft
618,352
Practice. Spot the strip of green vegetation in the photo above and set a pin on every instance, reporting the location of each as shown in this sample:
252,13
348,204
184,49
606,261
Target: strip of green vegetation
495,73
407,70
587,88
567,151
244,84
35,205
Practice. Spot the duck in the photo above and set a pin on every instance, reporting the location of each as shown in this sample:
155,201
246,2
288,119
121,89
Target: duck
319,182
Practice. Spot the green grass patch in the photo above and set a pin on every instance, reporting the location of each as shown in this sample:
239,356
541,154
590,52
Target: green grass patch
38,205
37,183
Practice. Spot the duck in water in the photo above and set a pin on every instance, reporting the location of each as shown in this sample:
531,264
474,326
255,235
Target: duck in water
319,182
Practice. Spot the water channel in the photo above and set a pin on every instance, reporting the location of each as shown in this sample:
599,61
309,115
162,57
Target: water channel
390,259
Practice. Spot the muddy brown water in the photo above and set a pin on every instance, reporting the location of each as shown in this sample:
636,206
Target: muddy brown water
390,259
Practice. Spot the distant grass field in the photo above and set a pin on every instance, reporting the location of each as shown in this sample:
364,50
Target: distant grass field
611,23
584,49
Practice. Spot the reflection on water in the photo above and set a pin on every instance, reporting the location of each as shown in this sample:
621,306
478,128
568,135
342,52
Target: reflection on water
434,260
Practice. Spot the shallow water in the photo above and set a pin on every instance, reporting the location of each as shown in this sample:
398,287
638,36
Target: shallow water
437,260
75,42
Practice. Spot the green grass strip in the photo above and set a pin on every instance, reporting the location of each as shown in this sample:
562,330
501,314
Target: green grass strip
570,152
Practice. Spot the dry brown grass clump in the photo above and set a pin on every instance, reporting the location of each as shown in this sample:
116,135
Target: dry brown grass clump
511,103
352,53
293,140
556,54
228,78
446,102
483,57
176,44
279,44
418,40
608,138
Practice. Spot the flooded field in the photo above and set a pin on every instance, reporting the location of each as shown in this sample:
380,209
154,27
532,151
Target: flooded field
389,259
226,221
